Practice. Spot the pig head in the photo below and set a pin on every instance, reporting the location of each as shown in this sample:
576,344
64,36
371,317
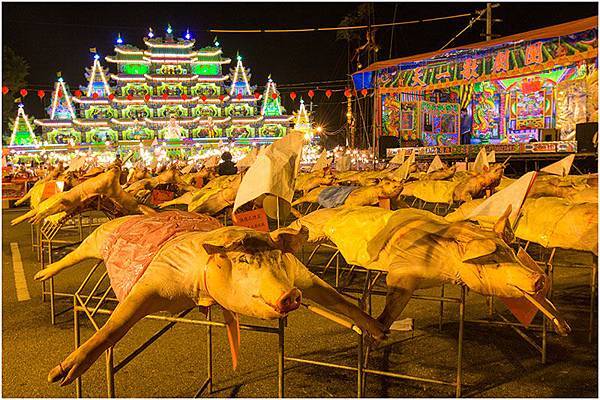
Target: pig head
245,273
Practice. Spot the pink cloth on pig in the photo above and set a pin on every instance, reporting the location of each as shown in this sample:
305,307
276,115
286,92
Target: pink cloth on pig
131,247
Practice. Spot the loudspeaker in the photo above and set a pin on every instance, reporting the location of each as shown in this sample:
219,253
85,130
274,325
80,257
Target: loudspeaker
548,135
387,142
587,137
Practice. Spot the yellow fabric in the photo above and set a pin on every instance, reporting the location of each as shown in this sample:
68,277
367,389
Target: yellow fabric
431,191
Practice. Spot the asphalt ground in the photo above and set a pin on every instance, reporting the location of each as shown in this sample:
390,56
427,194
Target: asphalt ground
496,361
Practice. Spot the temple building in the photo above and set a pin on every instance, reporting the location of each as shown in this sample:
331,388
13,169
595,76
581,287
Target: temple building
169,90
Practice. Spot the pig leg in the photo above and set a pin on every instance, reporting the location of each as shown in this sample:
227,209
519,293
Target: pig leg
141,301
320,292
88,249
400,289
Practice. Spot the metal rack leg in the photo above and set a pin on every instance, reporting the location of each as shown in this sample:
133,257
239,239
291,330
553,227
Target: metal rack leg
209,358
77,336
52,316
110,375
280,357
441,307
359,384
593,299
461,331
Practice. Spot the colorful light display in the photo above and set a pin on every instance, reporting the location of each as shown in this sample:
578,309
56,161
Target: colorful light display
165,85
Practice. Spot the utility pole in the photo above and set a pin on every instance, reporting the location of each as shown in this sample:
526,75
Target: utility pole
489,21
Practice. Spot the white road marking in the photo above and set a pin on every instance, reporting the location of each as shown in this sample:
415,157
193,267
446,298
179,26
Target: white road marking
20,281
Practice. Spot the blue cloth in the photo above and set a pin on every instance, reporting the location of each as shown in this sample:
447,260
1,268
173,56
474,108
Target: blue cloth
335,196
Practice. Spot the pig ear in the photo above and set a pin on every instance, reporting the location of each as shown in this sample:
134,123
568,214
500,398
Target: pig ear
502,226
478,248
220,239
290,240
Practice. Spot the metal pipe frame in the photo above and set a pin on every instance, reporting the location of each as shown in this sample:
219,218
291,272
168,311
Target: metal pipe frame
548,263
81,304
46,243
361,368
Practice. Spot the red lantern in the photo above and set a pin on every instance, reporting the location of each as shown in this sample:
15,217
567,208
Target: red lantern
94,95
328,93
60,94
184,96
239,96
221,97
129,97
77,93
293,96
23,92
41,94
364,92
203,98
311,93
256,95
111,97
274,96
347,93
4,89
165,96
147,98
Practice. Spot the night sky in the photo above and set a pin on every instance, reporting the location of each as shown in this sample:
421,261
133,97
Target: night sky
57,36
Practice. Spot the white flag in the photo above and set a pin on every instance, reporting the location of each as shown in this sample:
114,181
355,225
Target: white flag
398,158
321,163
561,168
274,171
404,171
481,161
513,195
155,142
436,164
491,156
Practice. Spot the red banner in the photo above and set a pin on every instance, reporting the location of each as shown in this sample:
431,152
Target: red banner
255,219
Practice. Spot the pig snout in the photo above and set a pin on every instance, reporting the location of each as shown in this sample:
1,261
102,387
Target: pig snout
289,301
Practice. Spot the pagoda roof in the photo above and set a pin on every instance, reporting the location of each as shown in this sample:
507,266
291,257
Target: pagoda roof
57,123
169,43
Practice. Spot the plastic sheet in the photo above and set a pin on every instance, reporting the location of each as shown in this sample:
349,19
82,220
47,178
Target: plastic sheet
335,196
128,251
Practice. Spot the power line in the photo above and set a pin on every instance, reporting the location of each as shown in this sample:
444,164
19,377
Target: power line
340,28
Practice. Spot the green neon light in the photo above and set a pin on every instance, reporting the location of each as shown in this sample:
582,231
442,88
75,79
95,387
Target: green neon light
206,69
135,69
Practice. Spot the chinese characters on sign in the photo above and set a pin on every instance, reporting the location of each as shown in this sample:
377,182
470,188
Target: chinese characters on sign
255,219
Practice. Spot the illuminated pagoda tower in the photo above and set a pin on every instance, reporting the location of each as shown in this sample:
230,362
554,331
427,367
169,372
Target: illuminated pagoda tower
302,119
169,90
60,128
274,119
243,108
95,109
22,133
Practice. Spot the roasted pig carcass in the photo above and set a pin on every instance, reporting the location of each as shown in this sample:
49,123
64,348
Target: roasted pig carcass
358,196
105,185
419,249
176,261
553,222
440,175
305,182
475,186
